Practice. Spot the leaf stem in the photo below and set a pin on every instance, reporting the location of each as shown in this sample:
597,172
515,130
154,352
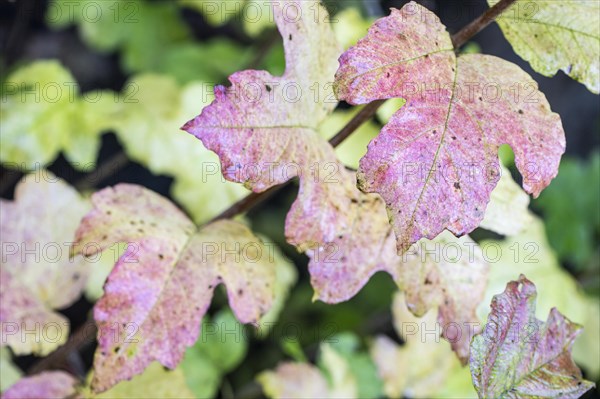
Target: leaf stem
467,32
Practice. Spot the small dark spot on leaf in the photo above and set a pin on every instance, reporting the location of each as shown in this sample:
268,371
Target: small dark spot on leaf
75,276
453,137
457,185
210,286
161,256
268,88
521,111
240,292
290,37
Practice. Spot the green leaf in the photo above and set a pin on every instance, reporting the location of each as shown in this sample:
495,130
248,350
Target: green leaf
361,365
332,379
285,278
425,366
43,113
349,26
573,221
222,346
9,373
141,30
292,348
507,212
216,12
556,35
148,126
355,146
210,61
154,382
257,17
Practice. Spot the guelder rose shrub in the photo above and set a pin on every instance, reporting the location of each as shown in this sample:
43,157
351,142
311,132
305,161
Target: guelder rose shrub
428,179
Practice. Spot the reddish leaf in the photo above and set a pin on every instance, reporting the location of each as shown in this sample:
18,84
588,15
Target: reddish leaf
519,356
435,163
37,274
160,288
46,385
264,128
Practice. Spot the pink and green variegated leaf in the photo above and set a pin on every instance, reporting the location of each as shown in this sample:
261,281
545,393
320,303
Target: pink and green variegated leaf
161,287
519,356
37,274
401,54
265,128
46,385
436,162
448,273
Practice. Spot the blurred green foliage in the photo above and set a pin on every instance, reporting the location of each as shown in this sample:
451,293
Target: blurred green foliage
571,209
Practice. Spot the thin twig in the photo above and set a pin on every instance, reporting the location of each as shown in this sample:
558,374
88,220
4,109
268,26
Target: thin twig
466,33
82,337
106,169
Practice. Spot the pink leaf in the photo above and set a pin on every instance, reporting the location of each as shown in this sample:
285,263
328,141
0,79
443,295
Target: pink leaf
264,128
435,163
37,273
46,385
519,356
162,285
401,53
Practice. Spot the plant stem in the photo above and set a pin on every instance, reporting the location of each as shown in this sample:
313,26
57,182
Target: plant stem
466,33
106,169
80,338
